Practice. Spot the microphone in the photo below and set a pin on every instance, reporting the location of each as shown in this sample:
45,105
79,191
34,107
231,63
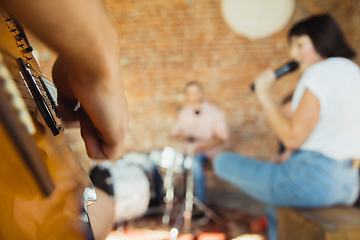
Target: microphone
285,69
191,139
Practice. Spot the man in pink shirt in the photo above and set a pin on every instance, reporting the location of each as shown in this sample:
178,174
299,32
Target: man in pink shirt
206,126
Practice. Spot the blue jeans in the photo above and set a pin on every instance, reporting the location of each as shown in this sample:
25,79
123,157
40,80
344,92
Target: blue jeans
307,179
199,177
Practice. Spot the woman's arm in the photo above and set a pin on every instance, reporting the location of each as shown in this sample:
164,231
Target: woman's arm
291,131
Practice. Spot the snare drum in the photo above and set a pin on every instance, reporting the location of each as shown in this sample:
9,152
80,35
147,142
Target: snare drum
131,191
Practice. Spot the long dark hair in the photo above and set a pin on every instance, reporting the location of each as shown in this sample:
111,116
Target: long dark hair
326,36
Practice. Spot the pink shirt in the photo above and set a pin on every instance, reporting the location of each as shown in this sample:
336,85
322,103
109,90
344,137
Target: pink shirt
206,125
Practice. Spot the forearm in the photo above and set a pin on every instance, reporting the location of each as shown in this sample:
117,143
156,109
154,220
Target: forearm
179,136
280,124
214,142
293,131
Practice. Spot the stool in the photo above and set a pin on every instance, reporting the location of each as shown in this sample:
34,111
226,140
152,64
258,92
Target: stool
335,223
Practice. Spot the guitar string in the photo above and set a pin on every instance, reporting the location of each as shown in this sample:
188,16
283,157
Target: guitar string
44,94
26,91
42,75
41,88
38,83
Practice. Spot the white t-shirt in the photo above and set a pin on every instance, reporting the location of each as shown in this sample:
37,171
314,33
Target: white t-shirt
336,84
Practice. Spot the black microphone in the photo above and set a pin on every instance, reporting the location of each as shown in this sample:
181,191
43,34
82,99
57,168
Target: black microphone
285,69
191,139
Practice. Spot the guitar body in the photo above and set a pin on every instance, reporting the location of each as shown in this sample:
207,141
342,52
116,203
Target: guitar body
43,188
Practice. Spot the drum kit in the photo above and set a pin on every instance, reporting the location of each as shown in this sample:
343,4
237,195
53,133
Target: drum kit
131,188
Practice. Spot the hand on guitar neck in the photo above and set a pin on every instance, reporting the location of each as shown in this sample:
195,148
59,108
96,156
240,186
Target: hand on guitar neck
87,70
103,114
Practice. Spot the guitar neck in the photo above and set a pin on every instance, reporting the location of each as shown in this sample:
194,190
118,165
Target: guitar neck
18,47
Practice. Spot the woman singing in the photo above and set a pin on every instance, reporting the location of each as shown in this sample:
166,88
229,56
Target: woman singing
323,131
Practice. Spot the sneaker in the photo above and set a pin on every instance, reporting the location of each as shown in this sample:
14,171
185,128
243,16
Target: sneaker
200,220
197,214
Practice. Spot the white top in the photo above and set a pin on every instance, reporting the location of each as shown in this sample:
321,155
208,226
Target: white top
336,84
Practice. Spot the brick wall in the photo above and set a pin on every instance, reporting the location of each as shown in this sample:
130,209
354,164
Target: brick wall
164,44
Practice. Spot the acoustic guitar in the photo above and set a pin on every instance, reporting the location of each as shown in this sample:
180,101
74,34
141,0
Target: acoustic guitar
43,189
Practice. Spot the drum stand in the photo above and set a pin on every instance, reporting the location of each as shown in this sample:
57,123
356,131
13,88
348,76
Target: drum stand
190,200
171,173
169,196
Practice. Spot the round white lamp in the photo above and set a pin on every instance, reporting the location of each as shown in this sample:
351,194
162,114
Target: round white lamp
257,18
